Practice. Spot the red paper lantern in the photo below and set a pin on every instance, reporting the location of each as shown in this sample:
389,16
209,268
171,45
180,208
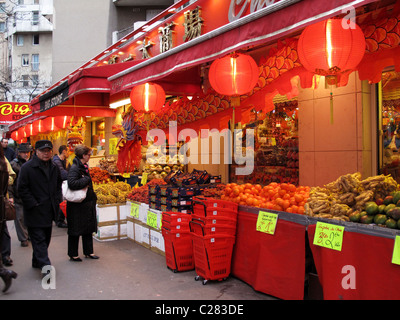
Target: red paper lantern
31,130
234,74
49,124
147,97
21,133
15,135
62,121
39,126
326,48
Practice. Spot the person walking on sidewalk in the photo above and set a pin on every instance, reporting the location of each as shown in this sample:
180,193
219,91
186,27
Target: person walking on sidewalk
23,155
81,217
39,186
5,274
61,161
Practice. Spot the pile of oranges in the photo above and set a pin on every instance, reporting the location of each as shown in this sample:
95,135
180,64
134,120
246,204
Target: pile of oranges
275,196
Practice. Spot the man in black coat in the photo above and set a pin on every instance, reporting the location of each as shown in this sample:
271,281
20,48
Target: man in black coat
39,186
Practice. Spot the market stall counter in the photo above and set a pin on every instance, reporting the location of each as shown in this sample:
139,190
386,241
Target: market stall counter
271,263
363,269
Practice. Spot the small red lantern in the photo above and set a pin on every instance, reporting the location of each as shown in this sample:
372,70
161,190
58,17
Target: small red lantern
326,48
62,121
49,124
15,135
147,97
31,130
234,74
21,133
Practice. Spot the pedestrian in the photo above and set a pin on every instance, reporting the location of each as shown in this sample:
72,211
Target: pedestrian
81,217
8,151
39,187
5,274
6,238
23,155
61,161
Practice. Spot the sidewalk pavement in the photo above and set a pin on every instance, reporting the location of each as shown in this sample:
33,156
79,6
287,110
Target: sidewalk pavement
125,271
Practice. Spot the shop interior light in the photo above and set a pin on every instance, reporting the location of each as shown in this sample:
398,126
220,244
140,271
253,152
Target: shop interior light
120,103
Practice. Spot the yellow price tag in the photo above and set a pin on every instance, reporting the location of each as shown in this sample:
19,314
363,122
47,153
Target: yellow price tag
396,251
135,210
266,222
144,178
126,175
112,146
328,236
152,219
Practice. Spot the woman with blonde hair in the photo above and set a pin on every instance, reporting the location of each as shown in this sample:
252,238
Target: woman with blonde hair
81,217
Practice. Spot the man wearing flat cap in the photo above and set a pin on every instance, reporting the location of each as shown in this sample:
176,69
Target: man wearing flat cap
23,155
39,186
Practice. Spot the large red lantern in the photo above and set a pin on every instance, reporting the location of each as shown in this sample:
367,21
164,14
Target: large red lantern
326,48
147,97
49,124
62,121
39,126
234,74
31,130
21,133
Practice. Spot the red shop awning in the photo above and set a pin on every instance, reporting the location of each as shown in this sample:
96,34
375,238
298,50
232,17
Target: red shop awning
261,27
88,87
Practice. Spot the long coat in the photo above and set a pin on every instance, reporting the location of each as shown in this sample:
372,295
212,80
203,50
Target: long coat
39,188
81,217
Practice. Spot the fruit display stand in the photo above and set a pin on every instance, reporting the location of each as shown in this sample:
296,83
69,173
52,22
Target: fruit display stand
363,268
111,221
145,230
271,263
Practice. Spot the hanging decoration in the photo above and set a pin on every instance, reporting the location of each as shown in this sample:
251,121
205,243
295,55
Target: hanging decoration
129,145
147,97
327,49
39,125
49,124
75,133
15,135
62,121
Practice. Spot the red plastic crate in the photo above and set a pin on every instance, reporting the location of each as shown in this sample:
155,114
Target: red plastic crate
178,250
214,211
211,202
212,256
215,220
176,217
176,226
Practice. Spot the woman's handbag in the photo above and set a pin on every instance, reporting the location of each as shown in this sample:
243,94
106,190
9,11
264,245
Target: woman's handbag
73,195
10,210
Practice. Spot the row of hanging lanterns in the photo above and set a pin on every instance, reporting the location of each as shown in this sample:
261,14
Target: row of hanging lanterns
325,48
49,124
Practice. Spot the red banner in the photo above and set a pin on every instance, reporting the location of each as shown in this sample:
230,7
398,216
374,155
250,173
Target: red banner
13,111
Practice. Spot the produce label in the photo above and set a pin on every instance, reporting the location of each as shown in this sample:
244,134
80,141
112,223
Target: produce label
144,178
112,146
266,222
152,219
328,236
135,210
396,251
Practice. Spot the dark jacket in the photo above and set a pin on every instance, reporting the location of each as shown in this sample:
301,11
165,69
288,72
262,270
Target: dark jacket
81,217
9,153
12,190
62,165
40,192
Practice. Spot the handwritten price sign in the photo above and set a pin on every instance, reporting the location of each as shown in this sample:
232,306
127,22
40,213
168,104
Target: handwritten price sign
135,210
396,251
152,219
266,222
328,236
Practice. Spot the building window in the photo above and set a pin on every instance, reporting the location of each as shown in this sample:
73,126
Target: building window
20,40
35,62
25,80
35,17
35,80
20,2
25,60
36,2
2,26
35,39
2,7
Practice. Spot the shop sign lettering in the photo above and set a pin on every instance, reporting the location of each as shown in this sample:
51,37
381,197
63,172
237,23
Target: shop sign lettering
11,111
238,8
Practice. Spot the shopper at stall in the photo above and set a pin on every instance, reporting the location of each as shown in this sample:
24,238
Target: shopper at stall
81,217
61,161
6,275
39,186
23,155
9,153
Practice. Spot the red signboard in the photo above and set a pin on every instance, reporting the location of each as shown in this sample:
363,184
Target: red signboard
13,111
